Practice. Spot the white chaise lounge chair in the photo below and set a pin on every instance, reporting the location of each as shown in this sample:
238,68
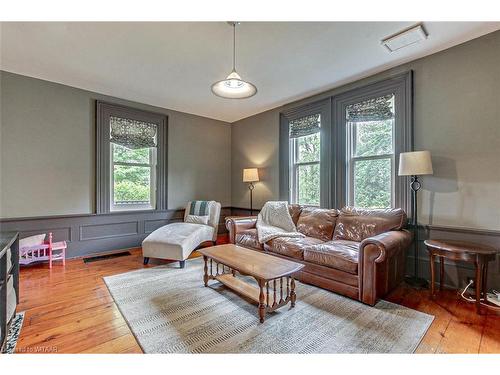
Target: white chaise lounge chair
177,241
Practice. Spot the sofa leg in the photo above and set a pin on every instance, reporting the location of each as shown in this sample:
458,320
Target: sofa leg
182,263
146,260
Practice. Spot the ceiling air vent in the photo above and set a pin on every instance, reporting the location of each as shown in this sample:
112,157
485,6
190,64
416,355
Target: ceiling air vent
405,38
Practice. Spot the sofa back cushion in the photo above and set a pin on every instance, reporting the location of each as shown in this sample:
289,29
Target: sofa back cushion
356,224
294,210
317,222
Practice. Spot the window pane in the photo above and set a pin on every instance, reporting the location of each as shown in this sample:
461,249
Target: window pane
131,185
308,148
372,183
126,155
373,138
308,184
371,124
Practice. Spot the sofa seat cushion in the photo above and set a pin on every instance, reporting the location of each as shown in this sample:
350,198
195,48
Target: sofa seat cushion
291,247
342,255
248,238
355,224
317,222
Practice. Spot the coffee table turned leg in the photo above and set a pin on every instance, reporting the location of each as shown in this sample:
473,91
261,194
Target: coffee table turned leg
293,296
205,270
262,306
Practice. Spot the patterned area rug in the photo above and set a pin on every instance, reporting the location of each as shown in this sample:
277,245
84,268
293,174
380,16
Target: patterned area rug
170,311
13,334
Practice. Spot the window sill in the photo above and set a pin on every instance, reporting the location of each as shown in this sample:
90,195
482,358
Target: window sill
128,212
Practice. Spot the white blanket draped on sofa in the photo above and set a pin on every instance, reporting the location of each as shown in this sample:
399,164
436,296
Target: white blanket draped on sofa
274,221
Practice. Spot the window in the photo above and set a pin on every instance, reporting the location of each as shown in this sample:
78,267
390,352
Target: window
305,163
131,159
133,180
354,150
370,152
373,125
305,154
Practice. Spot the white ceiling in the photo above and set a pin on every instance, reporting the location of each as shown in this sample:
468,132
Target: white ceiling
173,64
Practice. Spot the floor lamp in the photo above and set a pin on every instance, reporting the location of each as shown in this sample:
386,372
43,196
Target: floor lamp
414,164
251,175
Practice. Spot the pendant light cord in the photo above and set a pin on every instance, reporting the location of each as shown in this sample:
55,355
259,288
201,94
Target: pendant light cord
234,46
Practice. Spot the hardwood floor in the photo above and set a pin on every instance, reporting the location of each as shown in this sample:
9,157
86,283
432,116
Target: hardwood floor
69,310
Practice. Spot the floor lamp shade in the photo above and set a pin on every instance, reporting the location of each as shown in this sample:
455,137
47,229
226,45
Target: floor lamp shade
417,163
250,175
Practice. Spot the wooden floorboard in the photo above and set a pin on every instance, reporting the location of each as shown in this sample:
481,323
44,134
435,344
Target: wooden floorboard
69,310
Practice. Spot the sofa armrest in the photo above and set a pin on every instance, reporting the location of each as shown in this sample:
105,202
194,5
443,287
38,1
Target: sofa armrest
376,250
237,224
388,243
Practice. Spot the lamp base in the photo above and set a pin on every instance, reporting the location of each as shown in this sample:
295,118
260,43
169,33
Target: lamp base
416,282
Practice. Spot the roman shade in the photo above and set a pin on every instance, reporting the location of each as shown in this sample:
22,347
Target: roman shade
377,109
306,125
132,134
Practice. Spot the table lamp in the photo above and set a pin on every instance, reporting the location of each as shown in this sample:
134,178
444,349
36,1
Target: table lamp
414,164
251,175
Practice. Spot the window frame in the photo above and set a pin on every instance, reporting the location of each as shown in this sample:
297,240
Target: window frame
104,175
351,159
294,168
323,108
401,86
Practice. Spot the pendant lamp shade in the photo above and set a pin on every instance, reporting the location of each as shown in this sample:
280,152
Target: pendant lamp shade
233,87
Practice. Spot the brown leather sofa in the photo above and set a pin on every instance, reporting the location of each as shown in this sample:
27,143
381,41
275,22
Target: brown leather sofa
359,253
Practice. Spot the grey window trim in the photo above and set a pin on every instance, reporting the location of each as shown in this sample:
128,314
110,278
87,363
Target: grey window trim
104,111
322,107
402,86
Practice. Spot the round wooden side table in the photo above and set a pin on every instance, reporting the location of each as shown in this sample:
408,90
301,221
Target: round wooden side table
470,252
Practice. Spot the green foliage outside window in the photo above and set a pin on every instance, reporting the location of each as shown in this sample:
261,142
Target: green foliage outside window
128,155
131,183
373,138
372,183
372,177
308,178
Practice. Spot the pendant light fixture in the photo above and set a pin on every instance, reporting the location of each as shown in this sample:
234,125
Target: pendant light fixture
233,87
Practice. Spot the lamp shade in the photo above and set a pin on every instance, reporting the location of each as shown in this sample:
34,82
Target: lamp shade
250,175
415,163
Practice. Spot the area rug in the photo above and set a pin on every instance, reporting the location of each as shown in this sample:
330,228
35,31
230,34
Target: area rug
170,311
13,334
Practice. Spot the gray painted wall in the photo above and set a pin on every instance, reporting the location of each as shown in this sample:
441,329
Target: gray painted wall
48,146
457,118
255,144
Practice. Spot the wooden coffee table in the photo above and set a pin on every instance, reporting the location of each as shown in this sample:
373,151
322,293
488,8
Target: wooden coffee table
270,272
